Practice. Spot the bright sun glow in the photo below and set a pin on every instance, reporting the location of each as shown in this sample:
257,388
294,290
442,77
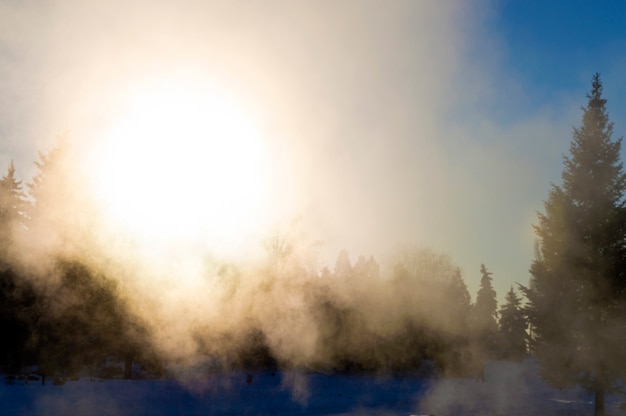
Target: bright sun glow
184,162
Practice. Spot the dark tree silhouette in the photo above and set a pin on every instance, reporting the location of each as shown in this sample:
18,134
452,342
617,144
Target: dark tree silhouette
18,301
17,296
82,321
578,283
513,326
12,205
484,320
12,215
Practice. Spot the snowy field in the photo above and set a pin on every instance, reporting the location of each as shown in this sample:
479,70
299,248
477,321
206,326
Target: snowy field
508,389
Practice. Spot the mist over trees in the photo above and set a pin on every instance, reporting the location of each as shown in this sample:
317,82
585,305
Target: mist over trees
66,306
578,286
351,319
17,297
58,311
66,313
67,309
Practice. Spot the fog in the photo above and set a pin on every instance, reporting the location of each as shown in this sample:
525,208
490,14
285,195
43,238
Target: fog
374,118
377,118
283,309
286,186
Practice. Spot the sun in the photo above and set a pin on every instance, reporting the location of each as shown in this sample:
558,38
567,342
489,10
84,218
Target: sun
183,161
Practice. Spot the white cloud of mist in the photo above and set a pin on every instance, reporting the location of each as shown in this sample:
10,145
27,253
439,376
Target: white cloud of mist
371,111
351,91
509,388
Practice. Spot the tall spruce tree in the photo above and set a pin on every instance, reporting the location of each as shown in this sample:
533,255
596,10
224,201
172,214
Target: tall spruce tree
485,313
513,336
578,280
16,294
12,213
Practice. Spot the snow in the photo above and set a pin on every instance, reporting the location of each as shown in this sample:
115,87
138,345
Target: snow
508,389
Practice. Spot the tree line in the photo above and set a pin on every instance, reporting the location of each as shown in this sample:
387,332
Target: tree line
57,312
71,314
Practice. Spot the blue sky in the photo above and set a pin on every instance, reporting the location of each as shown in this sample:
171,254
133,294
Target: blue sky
550,48
537,59
553,48
390,124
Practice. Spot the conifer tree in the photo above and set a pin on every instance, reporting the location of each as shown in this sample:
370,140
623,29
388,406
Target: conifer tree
578,283
12,212
16,294
512,328
485,313
11,196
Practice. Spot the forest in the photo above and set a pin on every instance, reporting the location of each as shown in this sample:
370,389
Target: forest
66,311
68,307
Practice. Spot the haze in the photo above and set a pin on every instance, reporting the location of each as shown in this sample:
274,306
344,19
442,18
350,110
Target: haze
376,119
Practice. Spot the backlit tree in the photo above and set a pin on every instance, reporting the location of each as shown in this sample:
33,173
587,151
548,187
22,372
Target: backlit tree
578,284
513,325
485,312
12,212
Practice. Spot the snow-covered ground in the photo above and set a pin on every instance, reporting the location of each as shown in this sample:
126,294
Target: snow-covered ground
508,389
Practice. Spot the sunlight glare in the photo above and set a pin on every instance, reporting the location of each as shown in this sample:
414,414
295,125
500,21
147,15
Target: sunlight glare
184,162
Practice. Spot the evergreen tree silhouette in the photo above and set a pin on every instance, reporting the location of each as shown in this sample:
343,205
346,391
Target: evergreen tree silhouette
578,284
513,326
485,314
